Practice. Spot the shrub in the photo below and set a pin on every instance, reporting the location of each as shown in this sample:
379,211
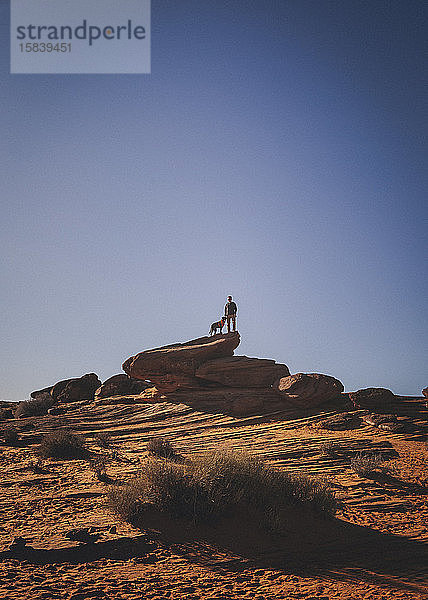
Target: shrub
62,444
10,435
329,449
367,463
159,446
216,484
34,407
99,467
103,439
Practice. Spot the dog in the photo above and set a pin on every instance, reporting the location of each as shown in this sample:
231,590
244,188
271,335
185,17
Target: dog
217,325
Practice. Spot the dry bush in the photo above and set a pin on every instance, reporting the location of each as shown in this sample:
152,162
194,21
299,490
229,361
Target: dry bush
62,444
329,448
34,407
217,484
99,467
159,446
10,435
365,464
103,439
37,466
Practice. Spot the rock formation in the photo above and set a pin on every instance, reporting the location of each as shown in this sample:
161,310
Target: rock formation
79,388
425,392
120,385
241,371
180,359
374,399
205,374
308,390
67,390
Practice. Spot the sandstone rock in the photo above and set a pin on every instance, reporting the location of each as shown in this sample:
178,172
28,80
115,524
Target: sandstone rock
120,385
386,422
241,371
79,388
307,390
172,382
43,395
181,359
340,422
235,401
372,398
57,410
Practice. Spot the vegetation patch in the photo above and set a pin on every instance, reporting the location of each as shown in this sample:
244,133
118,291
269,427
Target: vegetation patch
161,447
10,436
62,444
34,407
218,484
103,439
367,463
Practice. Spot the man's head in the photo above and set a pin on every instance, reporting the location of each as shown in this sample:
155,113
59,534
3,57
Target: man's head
229,298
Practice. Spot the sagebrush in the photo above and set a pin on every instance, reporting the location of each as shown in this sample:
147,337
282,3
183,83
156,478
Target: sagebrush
63,444
159,446
10,436
34,407
217,484
367,463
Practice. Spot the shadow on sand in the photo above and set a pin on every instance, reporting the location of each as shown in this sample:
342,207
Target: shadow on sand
309,545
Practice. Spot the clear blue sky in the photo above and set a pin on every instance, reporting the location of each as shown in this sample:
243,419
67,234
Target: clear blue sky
277,153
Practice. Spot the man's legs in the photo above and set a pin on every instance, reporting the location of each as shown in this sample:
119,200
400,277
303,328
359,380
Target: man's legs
234,322
228,322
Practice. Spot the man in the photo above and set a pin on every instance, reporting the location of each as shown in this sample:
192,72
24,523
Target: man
230,311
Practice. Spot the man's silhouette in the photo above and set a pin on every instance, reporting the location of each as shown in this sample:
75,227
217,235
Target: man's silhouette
230,311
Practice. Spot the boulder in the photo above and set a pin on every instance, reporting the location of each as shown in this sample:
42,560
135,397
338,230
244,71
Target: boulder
307,390
79,388
373,399
59,387
386,422
120,385
425,392
42,395
181,359
241,371
340,422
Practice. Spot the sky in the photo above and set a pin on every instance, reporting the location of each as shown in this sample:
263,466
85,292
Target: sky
276,152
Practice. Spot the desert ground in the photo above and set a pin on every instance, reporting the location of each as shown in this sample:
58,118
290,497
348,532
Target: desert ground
373,548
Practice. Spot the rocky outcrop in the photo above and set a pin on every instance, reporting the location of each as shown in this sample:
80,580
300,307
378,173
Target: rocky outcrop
340,422
386,422
42,395
425,392
180,359
120,385
79,388
374,399
241,371
203,373
308,390
234,401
